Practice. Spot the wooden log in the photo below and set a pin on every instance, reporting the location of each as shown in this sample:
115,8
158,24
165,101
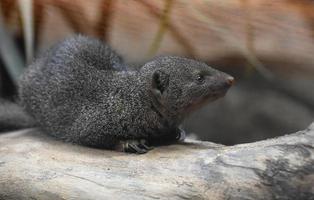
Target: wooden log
35,166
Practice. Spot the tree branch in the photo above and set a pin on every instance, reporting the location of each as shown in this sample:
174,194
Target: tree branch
33,165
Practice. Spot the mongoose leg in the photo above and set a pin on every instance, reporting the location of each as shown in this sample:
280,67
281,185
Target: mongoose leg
181,135
134,146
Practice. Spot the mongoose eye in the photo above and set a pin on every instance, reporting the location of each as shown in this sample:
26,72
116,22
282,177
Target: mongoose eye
200,78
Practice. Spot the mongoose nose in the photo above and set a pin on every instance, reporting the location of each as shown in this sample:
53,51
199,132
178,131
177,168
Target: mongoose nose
230,80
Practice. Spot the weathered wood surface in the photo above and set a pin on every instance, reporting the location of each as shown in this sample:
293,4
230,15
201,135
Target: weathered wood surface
34,166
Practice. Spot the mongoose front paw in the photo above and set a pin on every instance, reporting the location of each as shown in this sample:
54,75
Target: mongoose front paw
134,146
181,135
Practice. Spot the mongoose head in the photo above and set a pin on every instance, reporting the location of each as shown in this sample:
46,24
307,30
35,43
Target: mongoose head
182,85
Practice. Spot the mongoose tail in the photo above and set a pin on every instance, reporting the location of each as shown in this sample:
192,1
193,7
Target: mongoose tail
13,117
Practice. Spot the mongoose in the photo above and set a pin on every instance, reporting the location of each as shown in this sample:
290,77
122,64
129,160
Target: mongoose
82,92
13,117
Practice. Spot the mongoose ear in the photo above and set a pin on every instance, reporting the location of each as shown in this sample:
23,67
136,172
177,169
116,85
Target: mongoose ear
160,82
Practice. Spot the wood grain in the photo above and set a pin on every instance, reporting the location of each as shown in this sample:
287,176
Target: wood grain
34,166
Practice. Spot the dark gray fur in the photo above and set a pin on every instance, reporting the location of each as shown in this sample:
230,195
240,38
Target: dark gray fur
81,91
13,117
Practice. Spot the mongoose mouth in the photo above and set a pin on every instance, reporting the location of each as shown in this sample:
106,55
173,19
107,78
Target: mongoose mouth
200,102
212,95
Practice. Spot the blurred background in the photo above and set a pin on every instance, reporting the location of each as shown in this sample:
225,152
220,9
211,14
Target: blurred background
267,45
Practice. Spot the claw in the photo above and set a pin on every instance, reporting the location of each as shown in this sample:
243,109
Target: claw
181,135
136,149
147,147
134,146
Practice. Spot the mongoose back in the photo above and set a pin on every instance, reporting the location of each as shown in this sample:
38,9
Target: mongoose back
80,91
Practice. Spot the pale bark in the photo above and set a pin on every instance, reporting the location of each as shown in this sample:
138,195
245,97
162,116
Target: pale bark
34,166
